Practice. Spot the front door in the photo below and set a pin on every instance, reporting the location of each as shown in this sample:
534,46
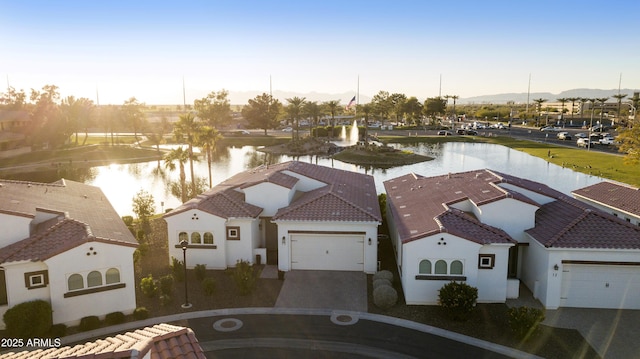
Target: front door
271,234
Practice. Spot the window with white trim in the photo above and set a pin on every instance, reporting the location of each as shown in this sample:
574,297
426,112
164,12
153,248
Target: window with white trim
441,267
112,276
456,268
233,233
208,238
94,279
424,267
75,282
486,261
196,238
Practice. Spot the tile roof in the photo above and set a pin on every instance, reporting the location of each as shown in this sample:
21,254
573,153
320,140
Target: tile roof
620,196
568,223
79,201
57,238
420,205
162,341
350,193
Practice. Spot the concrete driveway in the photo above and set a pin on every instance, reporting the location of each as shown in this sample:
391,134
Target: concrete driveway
333,290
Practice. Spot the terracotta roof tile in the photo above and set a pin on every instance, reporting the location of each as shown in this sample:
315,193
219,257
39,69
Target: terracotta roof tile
180,343
623,197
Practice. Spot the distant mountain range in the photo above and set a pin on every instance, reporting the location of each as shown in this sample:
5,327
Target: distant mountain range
242,97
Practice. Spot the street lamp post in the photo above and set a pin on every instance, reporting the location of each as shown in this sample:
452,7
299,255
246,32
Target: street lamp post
184,244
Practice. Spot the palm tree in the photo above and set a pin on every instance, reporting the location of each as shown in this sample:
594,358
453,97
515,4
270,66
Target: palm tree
294,109
539,102
619,97
333,106
314,111
602,100
181,156
207,138
562,102
187,128
573,105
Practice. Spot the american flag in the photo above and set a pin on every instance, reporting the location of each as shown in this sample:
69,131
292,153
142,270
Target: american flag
351,103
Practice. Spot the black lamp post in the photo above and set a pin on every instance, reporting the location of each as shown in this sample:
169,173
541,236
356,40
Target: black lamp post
184,244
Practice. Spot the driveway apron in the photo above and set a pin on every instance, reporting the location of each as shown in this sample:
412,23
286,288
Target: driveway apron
333,290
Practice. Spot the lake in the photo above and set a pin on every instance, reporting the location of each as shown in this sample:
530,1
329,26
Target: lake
121,182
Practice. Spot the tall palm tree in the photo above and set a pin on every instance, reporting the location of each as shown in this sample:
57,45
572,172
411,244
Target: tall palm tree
207,138
314,111
333,106
295,109
562,102
187,129
539,102
619,97
602,100
573,105
181,157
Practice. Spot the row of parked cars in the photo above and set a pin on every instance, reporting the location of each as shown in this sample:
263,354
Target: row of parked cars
587,141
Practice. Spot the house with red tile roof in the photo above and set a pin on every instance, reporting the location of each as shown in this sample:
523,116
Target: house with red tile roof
619,199
162,341
294,215
493,230
64,243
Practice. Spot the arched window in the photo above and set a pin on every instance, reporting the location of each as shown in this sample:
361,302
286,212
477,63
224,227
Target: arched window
183,236
112,276
195,238
441,267
456,267
208,238
75,282
425,267
94,279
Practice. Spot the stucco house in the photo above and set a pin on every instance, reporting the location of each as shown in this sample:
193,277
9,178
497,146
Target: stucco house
618,199
492,230
294,215
64,243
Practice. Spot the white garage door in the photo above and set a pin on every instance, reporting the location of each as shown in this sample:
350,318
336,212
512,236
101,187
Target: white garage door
327,252
600,286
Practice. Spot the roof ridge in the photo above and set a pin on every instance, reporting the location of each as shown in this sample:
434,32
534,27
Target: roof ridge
241,205
566,228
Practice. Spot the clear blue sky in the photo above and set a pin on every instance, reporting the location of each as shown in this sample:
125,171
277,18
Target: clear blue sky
146,48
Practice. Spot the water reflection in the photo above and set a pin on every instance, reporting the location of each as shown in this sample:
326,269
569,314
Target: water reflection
120,183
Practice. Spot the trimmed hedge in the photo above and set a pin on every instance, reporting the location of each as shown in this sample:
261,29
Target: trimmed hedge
379,282
385,297
89,323
458,299
114,318
140,313
148,286
29,319
384,274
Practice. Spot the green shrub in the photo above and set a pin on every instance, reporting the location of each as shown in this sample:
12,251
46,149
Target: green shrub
166,285
458,299
28,320
165,299
89,323
385,297
140,313
177,269
148,286
128,220
114,318
58,330
244,276
524,320
209,286
384,274
201,271
380,282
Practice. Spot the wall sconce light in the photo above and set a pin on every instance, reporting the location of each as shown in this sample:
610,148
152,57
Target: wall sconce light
284,241
555,267
369,240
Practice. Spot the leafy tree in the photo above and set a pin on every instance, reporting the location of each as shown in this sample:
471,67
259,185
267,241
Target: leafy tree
262,112
434,106
187,129
46,126
77,114
382,104
144,206
295,111
215,109
133,115
413,110
13,100
630,142
398,101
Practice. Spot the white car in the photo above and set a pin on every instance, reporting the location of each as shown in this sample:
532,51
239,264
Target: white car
607,140
287,129
563,136
550,129
583,142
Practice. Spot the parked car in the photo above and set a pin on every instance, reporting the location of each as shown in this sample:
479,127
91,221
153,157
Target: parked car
598,128
563,136
581,135
583,142
444,133
461,131
607,140
550,129
471,132
287,129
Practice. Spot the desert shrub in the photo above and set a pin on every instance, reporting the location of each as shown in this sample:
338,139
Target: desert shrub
28,319
89,323
177,269
384,274
458,299
524,321
165,299
209,286
382,281
201,271
166,285
58,330
148,286
244,276
114,318
140,313
385,297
